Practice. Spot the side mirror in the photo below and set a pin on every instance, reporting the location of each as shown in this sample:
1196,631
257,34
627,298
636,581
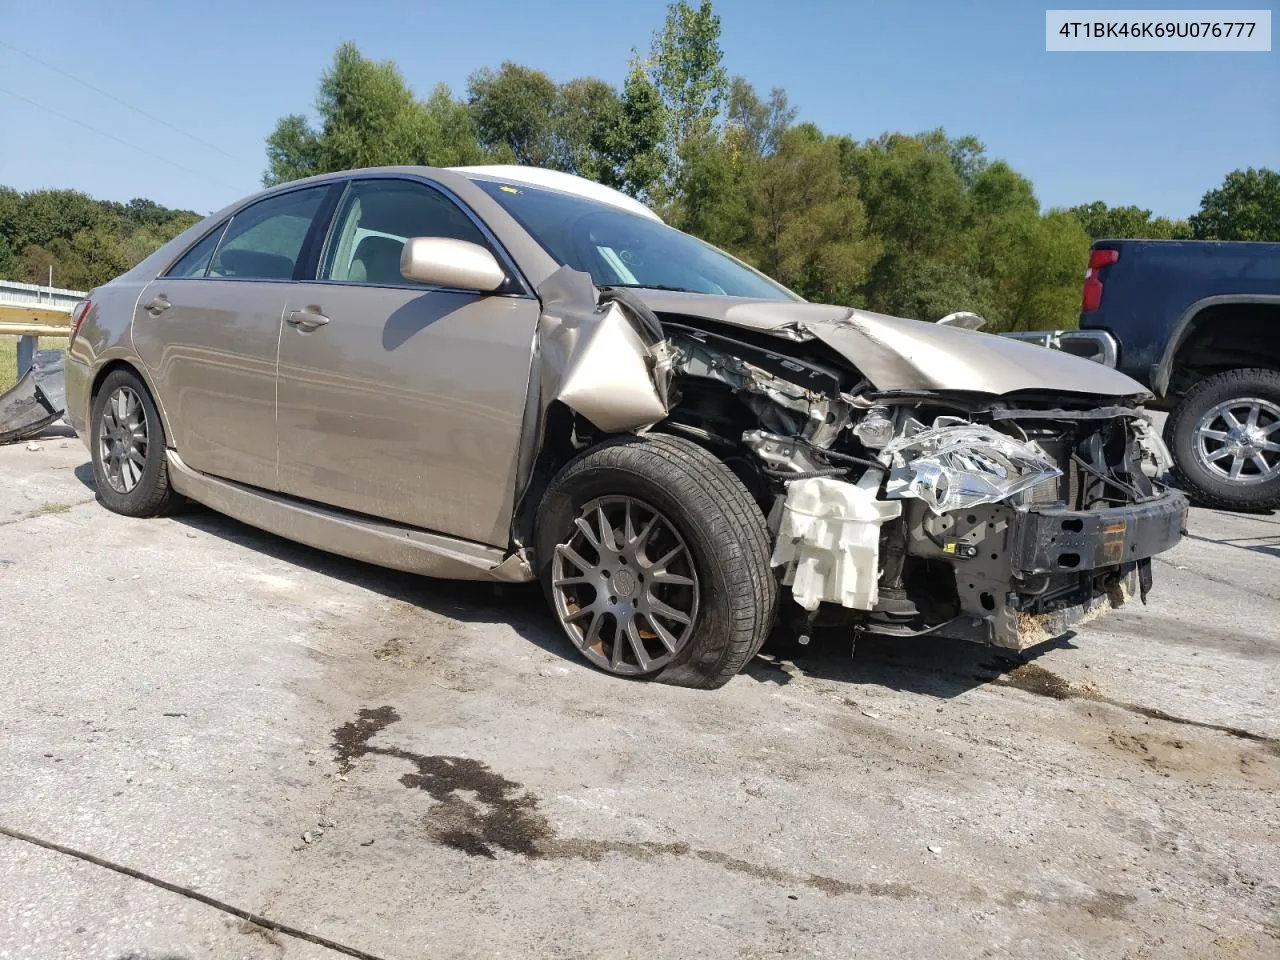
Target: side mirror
443,262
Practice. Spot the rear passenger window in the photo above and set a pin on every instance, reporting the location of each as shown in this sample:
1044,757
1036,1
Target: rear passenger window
196,260
264,241
377,217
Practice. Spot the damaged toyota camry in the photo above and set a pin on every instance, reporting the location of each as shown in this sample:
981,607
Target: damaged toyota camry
513,374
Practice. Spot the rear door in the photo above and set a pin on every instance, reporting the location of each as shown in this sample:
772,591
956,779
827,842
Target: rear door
396,399
209,332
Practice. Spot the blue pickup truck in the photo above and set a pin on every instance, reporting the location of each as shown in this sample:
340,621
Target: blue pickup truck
1198,323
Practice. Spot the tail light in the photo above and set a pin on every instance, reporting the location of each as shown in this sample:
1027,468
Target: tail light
78,313
1092,296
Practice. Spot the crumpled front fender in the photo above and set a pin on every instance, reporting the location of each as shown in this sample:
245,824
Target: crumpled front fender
595,359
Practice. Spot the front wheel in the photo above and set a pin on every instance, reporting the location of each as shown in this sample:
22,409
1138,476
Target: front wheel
656,561
1225,439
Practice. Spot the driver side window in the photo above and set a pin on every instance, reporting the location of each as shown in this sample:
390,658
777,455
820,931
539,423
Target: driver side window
375,220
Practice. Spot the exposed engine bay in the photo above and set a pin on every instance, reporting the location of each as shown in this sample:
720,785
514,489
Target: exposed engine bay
995,518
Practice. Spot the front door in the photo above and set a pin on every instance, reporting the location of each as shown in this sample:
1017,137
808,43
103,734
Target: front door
209,330
395,399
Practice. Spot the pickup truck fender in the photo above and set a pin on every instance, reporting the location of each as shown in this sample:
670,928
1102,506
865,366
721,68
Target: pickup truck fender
1162,372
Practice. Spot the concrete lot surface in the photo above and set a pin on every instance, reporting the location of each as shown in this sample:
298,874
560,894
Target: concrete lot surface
417,769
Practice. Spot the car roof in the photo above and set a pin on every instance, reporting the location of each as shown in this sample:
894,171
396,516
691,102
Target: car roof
557,180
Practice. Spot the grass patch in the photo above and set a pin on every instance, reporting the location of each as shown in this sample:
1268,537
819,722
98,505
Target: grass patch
51,508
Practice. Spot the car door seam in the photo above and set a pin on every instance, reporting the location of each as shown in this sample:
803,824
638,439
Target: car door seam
284,307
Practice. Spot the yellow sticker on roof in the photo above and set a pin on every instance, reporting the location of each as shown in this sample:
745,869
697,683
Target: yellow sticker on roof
505,189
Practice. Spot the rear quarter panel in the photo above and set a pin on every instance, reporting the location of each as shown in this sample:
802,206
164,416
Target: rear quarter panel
105,336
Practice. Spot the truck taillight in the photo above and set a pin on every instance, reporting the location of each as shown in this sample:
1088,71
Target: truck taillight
1092,296
78,313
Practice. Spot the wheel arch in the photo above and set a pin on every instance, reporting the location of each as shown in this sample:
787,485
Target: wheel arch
1190,321
122,363
555,447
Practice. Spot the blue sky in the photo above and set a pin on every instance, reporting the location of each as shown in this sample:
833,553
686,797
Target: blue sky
1153,129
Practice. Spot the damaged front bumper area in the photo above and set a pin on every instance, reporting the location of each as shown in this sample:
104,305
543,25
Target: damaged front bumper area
992,537
1025,574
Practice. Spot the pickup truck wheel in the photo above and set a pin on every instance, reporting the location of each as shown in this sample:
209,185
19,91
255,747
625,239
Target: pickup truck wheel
655,560
1225,440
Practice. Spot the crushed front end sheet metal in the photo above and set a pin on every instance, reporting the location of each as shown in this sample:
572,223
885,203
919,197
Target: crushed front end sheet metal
595,359
901,490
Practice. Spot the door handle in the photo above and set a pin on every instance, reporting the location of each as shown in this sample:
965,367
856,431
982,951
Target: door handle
157,305
306,319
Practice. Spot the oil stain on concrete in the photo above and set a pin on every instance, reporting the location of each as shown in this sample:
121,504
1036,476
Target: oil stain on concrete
1031,678
505,817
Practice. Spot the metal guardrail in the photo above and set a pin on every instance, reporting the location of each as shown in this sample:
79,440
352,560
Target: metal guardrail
34,330
29,324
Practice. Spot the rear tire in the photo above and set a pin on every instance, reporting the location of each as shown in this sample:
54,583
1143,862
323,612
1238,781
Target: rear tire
1206,446
720,576
127,445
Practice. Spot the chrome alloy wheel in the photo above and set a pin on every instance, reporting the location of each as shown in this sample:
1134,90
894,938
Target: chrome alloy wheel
1239,441
625,587
122,439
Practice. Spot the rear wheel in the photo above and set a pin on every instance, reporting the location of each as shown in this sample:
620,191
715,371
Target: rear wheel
656,561
1225,440
128,448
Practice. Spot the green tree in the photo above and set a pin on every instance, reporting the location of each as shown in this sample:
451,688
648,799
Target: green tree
809,225
47,214
1037,280
368,117
710,195
90,257
586,110
631,145
1121,223
293,151
686,71
916,203
999,190
85,241
931,289
36,263
1245,207
451,128
10,262
514,110
915,198
919,225
753,125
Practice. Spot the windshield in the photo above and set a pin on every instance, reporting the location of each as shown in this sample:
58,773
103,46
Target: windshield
621,249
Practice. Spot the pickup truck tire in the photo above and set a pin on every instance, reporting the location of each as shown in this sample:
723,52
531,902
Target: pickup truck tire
1211,437
691,621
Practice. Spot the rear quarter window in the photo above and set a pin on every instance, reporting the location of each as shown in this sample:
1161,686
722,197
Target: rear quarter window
195,262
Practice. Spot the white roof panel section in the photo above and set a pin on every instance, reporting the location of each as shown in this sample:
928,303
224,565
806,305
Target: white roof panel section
563,182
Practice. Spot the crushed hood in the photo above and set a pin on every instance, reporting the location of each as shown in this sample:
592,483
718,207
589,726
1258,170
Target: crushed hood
899,354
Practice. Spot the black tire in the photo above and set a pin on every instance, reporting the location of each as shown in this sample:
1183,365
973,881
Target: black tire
719,522
1180,434
151,495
